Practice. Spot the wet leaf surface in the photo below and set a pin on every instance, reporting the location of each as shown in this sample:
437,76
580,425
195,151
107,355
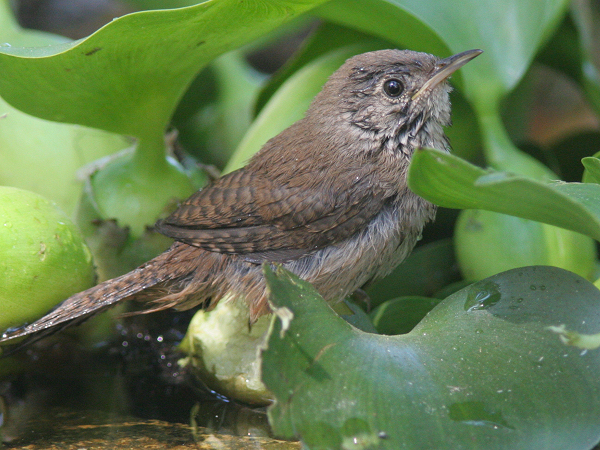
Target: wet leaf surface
481,371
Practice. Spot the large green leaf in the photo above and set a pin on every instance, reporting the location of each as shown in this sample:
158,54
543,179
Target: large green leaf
129,75
387,20
480,241
509,31
483,370
454,183
127,78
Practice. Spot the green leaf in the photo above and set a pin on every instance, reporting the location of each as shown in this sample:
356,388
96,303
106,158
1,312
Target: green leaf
39,155
388,20
592,169
509,31
481,371
454,183
128,76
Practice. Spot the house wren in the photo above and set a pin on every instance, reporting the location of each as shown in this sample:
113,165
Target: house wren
327,198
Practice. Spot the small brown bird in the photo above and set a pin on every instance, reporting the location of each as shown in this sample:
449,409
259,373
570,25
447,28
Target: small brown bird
327,198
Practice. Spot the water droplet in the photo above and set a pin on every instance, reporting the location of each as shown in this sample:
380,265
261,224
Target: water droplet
478,414
8,224
482,296
533,287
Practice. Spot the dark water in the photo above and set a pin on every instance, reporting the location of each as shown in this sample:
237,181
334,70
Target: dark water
127,392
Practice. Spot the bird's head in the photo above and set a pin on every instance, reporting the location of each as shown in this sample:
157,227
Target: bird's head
393,95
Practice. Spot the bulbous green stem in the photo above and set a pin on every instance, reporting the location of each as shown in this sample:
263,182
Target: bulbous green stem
135,187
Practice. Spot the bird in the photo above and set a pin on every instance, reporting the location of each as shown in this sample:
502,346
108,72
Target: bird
327,199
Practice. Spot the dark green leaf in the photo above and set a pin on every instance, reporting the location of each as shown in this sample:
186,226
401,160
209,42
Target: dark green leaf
483,370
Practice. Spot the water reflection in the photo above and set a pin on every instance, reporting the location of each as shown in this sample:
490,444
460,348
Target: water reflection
70,395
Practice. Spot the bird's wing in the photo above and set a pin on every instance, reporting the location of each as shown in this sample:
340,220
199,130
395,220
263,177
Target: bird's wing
265,221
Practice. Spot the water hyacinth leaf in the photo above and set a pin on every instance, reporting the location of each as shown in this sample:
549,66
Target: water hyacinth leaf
146,59
39,155
452,182
480,240
387,20
592,169
482,370
510,32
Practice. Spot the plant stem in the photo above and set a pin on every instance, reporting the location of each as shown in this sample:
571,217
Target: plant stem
499,150
149,157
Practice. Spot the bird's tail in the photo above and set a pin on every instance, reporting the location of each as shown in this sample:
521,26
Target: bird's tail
101,297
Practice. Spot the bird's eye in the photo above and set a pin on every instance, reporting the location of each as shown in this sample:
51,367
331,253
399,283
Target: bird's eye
393,87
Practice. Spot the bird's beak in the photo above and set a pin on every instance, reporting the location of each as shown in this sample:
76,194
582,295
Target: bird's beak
446,67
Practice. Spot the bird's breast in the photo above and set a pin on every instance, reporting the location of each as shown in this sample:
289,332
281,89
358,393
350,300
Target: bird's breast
340,269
